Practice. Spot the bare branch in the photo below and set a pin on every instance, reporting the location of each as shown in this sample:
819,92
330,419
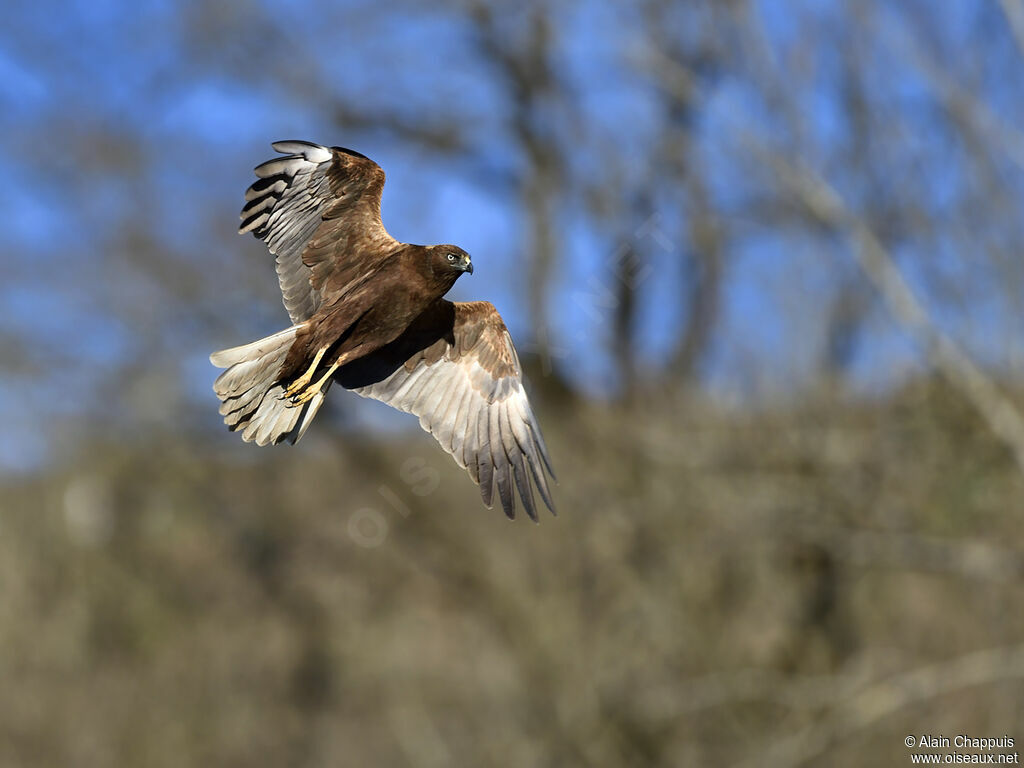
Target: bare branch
825,204
882,699
1014,12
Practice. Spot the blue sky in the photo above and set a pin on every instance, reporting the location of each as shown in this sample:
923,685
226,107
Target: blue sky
129,128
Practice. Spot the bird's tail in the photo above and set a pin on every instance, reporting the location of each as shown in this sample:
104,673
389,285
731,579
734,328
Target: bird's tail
253,400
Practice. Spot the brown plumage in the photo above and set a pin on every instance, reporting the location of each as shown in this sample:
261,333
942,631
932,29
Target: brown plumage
368,313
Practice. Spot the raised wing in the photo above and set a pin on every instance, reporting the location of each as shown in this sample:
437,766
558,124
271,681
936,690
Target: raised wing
455,368
318,211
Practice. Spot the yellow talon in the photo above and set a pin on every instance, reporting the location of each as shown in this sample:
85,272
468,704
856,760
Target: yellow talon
310,391
296,386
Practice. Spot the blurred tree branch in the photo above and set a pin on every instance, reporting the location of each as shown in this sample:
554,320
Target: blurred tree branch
683,72
1014,12
534,92
880,700
827,206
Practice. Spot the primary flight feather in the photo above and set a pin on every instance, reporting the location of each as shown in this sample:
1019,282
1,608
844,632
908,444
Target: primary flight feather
368,313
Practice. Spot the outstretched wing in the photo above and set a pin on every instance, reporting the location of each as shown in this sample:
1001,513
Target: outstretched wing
318,211
455,368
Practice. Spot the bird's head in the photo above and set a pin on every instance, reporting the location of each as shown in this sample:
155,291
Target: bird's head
450,260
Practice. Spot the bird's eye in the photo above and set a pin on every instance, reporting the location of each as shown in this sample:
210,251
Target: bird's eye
451,257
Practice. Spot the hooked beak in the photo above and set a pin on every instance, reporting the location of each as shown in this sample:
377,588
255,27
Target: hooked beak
467,265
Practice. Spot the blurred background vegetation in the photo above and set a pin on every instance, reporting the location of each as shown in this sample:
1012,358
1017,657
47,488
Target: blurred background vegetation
763,263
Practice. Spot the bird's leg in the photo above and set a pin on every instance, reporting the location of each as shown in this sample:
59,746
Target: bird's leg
301,397
296,386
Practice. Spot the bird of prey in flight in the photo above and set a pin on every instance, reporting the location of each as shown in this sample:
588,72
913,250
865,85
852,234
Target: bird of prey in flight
368,314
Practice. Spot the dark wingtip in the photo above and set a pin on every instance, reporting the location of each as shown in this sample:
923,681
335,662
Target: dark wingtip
522,482
352,152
